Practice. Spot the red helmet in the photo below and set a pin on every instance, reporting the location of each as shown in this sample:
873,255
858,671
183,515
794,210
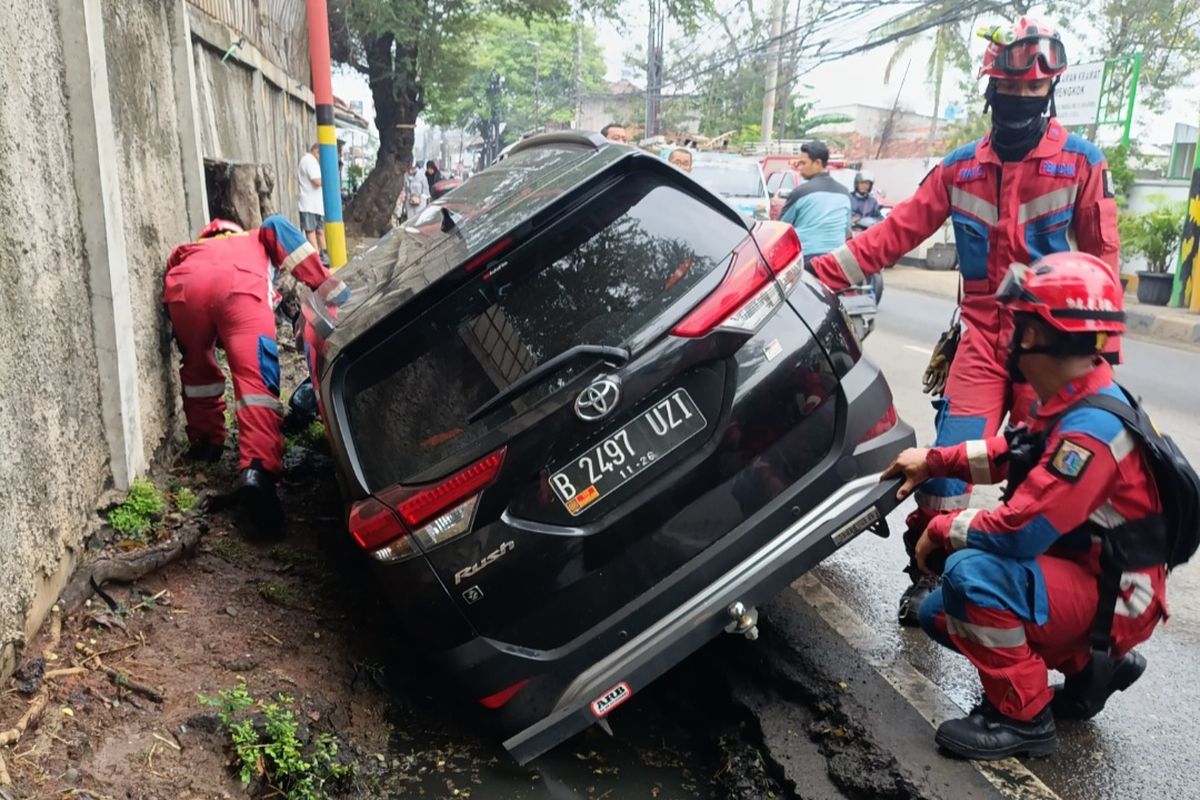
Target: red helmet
1029,50
217,226
1070,292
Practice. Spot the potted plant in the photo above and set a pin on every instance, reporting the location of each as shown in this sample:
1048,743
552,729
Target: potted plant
1155,235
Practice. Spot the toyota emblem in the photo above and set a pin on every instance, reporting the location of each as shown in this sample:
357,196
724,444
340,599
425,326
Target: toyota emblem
598,399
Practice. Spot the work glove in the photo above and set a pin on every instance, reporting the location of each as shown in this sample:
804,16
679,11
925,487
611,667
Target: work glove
943,356
828,271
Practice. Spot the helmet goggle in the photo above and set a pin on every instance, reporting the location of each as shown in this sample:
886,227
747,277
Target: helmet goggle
1012,288
1020,56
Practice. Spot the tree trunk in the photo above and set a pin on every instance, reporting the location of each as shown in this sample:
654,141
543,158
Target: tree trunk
397,103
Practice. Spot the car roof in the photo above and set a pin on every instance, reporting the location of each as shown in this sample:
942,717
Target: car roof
466,221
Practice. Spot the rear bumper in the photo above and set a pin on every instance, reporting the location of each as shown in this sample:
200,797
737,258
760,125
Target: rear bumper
840,518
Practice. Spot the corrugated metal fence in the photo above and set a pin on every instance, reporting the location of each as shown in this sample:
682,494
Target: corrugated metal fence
276,27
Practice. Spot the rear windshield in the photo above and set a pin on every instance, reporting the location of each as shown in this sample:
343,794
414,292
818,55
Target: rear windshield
729,178
594,278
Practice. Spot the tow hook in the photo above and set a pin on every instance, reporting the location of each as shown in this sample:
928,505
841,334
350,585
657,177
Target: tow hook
744,621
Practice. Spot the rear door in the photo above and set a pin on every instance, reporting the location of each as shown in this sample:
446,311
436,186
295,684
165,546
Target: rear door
573,523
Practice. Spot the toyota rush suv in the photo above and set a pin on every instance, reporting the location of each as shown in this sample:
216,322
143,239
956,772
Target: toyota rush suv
586,417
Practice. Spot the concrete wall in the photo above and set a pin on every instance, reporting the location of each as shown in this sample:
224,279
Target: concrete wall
138,42
53,453
249,109
1142,198
96,191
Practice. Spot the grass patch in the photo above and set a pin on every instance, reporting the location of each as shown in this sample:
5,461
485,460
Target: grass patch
284,595
270,745
229,548
143,507
185,499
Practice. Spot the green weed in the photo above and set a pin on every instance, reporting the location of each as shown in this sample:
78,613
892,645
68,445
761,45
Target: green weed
142,508
268,742
185,499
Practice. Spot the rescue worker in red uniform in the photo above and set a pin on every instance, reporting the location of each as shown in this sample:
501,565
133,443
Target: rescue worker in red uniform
1020,591
1025,190
221,290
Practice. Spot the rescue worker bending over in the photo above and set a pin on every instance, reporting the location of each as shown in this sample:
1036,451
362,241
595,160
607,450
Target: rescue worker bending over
221,290
1020,591
1025,190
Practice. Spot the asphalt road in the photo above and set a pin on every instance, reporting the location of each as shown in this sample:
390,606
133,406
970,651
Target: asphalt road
1143,745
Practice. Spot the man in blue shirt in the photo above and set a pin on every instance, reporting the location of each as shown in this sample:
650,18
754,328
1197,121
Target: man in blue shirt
819,209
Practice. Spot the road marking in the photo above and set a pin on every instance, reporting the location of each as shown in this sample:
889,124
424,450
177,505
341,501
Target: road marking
922,350
1010,777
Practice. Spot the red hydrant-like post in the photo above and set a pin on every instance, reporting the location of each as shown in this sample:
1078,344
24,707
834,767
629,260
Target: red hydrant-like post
322,78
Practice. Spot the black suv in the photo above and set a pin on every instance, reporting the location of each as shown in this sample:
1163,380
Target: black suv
585,418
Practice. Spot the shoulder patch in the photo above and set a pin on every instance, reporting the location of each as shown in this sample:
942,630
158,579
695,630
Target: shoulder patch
1110,186
967,151
1077,144
1070,460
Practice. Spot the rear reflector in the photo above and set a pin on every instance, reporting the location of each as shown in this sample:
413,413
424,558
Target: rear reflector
503,696
388,524
748,295
885,424
489,254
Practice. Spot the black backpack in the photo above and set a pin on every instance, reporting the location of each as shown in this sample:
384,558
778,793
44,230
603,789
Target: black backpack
1170,538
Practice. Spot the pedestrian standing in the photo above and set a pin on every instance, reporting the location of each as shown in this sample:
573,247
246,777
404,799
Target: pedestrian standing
819,209
312,201
415,196
1027,189
433,176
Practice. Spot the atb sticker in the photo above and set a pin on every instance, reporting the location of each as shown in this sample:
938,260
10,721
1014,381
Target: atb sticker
611,699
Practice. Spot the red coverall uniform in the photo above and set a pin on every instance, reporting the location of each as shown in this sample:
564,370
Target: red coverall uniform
1058,198
1019,591
221,291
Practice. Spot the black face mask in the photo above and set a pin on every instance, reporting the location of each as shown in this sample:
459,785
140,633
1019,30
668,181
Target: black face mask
1017,123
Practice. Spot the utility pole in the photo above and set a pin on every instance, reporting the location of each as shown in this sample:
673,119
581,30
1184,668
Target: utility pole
654,66
768,108
322,76
578,78
537,86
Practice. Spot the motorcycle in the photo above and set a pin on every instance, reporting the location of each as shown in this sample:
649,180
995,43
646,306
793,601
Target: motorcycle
861,302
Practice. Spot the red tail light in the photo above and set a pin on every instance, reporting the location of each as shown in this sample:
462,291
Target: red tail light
748,294
431,514
501,697
885,424
489,254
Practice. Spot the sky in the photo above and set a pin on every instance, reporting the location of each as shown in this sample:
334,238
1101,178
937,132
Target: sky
626,38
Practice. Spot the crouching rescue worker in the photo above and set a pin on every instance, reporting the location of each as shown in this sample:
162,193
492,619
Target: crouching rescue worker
221,290
1069,571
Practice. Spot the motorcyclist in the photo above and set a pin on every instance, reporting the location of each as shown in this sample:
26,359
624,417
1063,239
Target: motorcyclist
1024,586
1026,189
863,203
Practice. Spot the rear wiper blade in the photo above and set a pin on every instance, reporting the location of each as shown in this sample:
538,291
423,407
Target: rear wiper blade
613,355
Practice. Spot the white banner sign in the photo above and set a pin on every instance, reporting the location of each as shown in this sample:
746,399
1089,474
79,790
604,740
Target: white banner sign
1078,94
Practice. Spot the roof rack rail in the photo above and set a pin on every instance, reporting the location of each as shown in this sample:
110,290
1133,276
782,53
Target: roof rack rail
593,140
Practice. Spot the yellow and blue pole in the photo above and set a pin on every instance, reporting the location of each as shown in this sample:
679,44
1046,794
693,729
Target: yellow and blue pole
331,188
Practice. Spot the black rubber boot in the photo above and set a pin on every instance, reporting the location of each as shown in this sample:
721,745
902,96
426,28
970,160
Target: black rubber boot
204,451
910,601
256,494
987,735
1077,698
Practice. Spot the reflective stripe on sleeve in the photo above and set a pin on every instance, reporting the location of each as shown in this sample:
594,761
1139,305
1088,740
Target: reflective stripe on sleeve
263,400
977,460
1140,598
934,503
296,256
959,527
849,264
204,390
984,635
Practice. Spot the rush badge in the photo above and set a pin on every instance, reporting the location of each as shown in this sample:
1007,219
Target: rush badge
1070,460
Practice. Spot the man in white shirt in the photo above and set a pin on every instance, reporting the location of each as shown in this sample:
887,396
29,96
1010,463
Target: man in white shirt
312,203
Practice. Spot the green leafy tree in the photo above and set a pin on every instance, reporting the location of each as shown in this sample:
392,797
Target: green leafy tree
1165,32
949,52
522,75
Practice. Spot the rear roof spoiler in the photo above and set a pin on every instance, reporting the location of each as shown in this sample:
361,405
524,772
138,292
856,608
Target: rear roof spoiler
579,138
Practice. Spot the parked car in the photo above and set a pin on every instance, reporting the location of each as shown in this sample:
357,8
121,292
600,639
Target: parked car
737,179
586,417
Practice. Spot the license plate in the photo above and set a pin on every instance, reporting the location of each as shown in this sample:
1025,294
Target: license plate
623,455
